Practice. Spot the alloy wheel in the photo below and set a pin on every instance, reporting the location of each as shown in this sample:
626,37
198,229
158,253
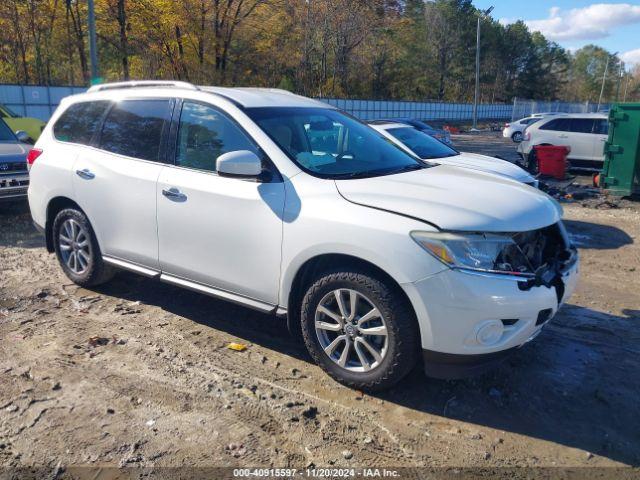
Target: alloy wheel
351,330
75,247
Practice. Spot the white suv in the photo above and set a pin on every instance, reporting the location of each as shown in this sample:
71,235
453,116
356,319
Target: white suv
585,133
289,206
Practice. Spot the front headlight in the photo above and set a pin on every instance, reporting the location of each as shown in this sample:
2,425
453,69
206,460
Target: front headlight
489,253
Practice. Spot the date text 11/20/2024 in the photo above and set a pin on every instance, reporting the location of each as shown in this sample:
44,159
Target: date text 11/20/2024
315,473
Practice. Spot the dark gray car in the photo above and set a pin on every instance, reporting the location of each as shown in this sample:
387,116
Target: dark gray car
14,177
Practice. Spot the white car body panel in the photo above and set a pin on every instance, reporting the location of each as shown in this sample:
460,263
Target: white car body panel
246,241
435,195
126,224
239,231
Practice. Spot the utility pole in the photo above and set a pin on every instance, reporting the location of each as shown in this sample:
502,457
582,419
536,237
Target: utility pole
619,80
604,79
476,94
626,86
93,49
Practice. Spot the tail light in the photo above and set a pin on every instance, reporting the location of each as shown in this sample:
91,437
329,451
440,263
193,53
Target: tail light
507,125
33,154
526,136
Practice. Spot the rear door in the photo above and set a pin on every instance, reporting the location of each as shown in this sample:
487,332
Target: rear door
115,183
553,132
581,138
600,135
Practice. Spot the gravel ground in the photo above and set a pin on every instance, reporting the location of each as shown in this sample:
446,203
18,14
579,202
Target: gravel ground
138,373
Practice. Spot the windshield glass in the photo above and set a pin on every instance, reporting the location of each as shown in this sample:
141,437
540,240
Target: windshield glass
422,144
8,112
330,144
6,135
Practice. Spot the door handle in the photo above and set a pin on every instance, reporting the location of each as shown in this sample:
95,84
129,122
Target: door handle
174,194
85,173
563,136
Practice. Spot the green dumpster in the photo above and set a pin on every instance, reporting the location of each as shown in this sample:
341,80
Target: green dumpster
621,170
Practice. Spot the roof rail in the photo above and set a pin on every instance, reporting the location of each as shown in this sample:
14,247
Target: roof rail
142,83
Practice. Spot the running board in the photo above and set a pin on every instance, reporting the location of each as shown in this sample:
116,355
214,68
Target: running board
147,272
222,294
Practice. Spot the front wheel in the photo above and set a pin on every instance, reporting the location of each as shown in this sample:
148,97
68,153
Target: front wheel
360,330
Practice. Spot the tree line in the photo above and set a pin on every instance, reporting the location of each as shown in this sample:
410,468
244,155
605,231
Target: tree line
385,49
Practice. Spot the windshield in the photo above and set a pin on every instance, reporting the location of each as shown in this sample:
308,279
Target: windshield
422,144
7,112
6,135
331,144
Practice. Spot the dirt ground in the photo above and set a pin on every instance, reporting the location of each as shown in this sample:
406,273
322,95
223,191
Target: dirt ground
138,373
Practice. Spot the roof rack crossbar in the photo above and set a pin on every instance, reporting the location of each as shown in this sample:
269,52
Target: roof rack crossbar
142,83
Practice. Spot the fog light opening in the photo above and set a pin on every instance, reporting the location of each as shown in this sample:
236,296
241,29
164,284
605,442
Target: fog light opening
489,333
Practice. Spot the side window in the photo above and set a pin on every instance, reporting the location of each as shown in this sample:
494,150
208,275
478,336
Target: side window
557,124
79,122
204,134
601,126
134,128
582,125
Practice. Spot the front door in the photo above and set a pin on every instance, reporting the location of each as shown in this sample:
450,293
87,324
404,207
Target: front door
218,231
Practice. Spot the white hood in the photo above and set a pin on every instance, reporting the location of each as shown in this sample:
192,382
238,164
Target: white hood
457,199
487,164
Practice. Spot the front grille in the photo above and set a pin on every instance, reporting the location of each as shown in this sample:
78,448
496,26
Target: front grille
11,183
12,167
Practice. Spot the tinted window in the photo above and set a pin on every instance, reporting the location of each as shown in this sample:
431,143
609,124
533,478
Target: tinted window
331,144
204,134
6,135
582,125
601,126
422,144
79,122
134,128
558,124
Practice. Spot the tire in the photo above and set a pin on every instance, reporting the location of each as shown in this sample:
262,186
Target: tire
516,137
73,237
531,162
397,350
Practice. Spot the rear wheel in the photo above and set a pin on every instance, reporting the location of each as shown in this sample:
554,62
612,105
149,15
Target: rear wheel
77,249
359,330
517,137
531,162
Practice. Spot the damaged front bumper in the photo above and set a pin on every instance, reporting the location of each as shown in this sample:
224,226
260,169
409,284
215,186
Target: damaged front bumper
471,320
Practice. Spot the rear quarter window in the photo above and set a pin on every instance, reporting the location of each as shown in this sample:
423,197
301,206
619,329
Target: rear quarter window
79,122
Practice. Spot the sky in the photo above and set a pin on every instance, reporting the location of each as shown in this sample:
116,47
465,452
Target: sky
613,25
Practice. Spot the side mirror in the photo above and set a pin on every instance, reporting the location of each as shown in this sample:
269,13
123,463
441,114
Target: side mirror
241,163
23,136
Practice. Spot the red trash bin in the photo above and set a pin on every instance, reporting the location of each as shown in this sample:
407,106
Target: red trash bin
552,160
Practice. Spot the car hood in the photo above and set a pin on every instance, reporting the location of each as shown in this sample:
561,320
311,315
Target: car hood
487,164
13,152
453,198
